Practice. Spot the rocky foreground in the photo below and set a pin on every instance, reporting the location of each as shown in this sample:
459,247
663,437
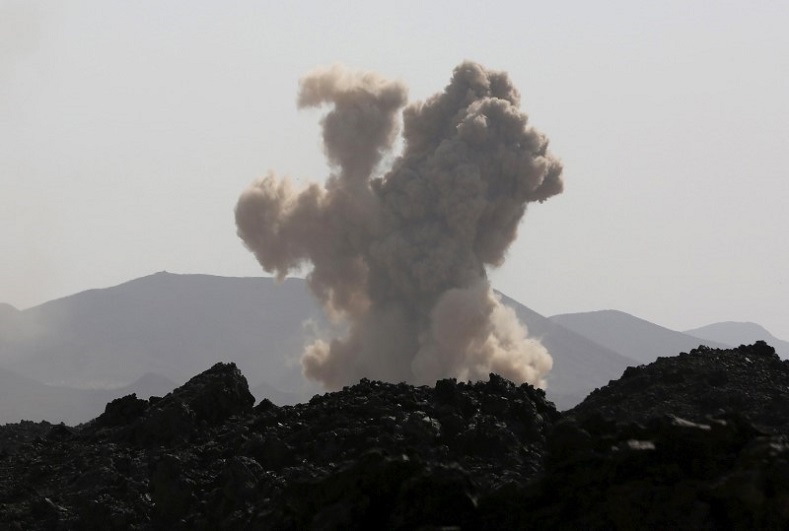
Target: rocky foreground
695,441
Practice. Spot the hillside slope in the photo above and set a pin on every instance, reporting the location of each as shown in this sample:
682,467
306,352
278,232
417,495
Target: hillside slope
165,324
23,398
737,333
172,325
630,336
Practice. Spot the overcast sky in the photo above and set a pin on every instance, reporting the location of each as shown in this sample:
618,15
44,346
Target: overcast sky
128,129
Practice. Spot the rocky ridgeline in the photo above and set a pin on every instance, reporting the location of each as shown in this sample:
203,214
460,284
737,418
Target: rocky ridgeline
751,380
696,441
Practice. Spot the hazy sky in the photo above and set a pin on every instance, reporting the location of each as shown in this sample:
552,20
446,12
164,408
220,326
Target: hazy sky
129,129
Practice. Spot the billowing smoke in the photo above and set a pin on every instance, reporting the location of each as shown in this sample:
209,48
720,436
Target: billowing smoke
399,254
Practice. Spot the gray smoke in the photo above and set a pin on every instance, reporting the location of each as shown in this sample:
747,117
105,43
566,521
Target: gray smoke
401,258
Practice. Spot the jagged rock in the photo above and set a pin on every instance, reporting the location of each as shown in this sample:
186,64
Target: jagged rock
173,490
122,411
378,491
696,441
13,436
751,380
208,399
666,474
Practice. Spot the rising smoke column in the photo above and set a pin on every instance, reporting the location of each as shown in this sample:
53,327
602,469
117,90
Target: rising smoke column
401,258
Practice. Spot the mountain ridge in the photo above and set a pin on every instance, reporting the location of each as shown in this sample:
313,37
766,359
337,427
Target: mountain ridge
171,325
23,398
736,333
621,332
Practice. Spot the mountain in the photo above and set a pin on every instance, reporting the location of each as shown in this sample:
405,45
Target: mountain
22,398
175,325
7,310
579,364
280,398
736,333
9,321
146,386
629,335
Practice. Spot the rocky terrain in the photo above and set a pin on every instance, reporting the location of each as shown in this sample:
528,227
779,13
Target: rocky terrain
694,441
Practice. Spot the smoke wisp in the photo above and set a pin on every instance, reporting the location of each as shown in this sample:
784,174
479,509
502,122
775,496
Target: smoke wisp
400,258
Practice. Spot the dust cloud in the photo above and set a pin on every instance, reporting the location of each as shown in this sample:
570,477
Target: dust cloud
399,254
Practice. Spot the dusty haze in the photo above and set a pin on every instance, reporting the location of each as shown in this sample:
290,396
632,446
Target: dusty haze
399,254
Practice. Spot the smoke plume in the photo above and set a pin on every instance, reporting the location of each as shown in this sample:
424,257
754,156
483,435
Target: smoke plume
400,256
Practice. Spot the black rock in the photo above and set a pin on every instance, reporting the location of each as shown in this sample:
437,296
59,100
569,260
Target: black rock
750,380
695,441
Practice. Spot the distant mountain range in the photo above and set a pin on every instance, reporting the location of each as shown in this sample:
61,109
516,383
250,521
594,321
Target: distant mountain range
24,398
736,333
621,332
63,360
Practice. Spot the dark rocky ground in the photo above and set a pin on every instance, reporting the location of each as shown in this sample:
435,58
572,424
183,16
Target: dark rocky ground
695,441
